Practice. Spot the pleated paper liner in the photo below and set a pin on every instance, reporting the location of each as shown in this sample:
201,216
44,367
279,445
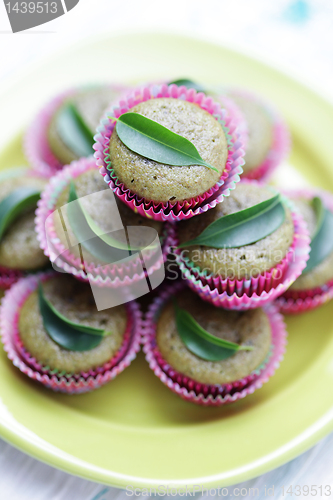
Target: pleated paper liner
68,383
178,210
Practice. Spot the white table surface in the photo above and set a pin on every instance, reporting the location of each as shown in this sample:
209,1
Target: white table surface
295,35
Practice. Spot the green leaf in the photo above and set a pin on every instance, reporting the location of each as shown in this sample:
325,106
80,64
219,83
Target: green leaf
202,343
243,227
189,84
151,140
66,333
90,236
14,204
74,132
322,240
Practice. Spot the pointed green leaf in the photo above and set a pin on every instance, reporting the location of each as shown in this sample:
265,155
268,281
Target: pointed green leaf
154,141
202,343
189,84
322,240
243,227
66,333
14,204
99,245
74,132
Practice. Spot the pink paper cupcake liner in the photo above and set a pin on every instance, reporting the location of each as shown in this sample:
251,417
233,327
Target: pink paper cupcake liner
298,301
108,276
171,211
205,394
8,277
256,291
36,145
68,383
281,139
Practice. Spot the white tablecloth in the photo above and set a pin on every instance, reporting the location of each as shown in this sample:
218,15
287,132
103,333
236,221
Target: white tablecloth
296,35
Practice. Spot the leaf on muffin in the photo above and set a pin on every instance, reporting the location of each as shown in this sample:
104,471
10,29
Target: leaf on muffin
89,234
64,332
189,84
74,132
14,204
243,227
156,142
202,343
322,240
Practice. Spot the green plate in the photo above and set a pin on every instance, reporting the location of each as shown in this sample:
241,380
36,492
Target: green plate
134,431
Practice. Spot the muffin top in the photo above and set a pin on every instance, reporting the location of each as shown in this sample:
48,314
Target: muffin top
250,328
75,301
91,104
323,272
166,183
90,182
19,247
260,130
246,261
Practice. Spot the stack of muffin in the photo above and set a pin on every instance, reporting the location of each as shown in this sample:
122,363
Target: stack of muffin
193,162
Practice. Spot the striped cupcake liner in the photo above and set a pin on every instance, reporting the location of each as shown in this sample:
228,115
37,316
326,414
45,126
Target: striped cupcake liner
111,276
281,144
205,394
36,144
255,291
180,210
53,379
299,301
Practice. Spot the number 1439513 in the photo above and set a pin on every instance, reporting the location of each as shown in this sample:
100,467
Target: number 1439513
32,7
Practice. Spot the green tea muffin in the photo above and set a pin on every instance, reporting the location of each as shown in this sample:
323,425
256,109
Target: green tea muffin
260,131
323,272
89,182
268,141
165,183
250,328
58,334
75,301
89,104
19,247
243,262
